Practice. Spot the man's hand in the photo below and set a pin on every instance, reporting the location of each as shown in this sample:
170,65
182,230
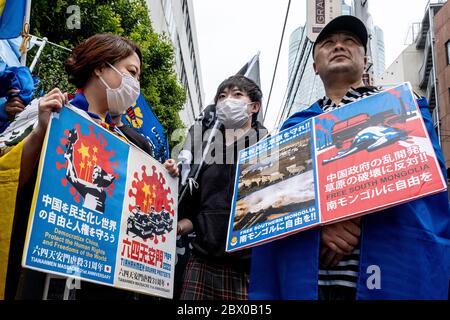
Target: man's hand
171,167
329,258
14,105
51,102
342,237
339,239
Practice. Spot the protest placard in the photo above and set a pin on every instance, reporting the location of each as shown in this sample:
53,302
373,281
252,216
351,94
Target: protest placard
364,157
103,210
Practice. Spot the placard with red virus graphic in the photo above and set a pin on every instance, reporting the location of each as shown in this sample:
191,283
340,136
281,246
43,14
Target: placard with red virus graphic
82,204
76,213
148,239
90,171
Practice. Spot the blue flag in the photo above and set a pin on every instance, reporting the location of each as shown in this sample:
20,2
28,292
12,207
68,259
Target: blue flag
12,13
142,119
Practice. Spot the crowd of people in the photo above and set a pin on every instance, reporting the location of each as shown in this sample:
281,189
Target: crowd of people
410,243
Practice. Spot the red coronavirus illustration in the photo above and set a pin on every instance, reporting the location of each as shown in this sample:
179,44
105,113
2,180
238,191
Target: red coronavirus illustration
87,160
153,199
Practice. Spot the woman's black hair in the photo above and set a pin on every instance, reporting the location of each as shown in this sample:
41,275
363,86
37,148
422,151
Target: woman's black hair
244,84
94,52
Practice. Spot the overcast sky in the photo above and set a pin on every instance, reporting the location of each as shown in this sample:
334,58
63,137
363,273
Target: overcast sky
231,32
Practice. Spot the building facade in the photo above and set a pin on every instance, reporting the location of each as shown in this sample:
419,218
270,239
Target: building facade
427,71
304,86
308,86
442,48
378,51
425,43
176,19
426,64
400,70
346,9
294,43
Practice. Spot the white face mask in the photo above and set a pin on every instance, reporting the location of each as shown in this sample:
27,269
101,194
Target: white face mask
123,97
232,113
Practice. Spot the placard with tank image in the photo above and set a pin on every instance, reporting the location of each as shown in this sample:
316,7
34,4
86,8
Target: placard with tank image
275,192
364,157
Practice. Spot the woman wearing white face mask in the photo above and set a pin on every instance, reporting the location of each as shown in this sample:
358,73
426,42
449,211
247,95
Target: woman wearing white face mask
106,69
211,273
235,111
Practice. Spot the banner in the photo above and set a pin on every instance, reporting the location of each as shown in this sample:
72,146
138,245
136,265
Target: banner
364,157
103,211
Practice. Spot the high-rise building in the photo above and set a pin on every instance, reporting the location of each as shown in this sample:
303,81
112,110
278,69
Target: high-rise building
304,86
294,43
346,9
302,79
176,19
378,52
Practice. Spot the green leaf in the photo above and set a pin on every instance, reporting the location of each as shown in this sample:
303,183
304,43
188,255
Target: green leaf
129,18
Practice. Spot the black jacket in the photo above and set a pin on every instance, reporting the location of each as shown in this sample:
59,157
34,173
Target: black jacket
209,205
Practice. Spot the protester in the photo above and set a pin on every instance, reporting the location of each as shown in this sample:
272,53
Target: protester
9,108
17,88
105,68
405,248
211,273
16,162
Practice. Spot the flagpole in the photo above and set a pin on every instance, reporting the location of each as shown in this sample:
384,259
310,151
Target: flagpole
205,154
26,21
38,54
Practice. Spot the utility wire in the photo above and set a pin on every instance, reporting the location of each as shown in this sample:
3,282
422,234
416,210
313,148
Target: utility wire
278,58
